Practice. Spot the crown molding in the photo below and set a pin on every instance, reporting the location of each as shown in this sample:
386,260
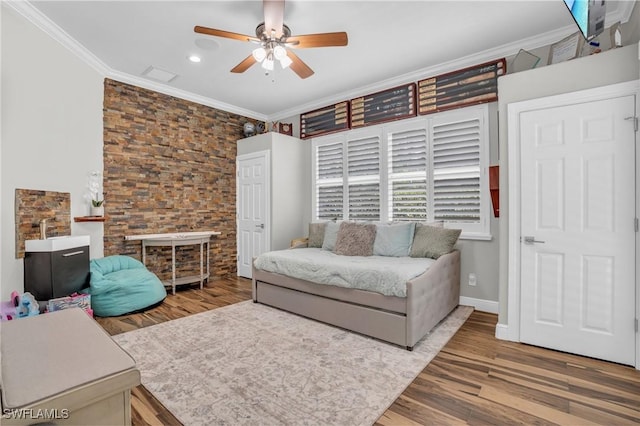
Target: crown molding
622,14
33,15
503,51
41,21
183,94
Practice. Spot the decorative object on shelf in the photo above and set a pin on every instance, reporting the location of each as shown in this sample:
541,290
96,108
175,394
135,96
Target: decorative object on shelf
566,49
285,128
260,128
616,35
494,189
95,194
469,86
388,105
97,205
325,120
249,129
523,61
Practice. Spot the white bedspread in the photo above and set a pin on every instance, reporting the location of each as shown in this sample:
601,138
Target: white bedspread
382,274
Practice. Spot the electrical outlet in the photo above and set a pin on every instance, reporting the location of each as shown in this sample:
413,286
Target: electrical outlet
472,279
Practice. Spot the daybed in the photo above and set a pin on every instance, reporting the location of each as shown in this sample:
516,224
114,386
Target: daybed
292,279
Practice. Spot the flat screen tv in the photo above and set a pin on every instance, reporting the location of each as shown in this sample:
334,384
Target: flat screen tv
589,15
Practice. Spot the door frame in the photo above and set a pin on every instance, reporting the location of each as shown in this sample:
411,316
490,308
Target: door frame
266,154
512,331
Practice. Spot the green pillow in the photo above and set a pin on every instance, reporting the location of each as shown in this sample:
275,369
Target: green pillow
433,242
393,239
316,234
330,235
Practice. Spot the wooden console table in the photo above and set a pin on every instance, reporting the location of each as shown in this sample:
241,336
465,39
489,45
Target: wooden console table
174,240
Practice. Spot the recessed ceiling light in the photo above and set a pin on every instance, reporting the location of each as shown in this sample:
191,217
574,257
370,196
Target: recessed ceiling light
194,58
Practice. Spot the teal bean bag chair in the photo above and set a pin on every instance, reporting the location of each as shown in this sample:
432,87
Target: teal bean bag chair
122,284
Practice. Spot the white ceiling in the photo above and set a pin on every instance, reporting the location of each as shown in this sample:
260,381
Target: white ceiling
390,42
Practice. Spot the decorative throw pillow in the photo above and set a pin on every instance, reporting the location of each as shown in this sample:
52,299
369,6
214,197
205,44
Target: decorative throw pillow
330,235
394,239
436,223
433,242
316,234
355,239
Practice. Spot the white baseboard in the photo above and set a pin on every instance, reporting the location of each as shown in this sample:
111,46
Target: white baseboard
480,304
502,331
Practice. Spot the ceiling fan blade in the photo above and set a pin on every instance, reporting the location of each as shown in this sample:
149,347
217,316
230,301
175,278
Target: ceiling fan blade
318,40
298,66
244,65
225,34
273,16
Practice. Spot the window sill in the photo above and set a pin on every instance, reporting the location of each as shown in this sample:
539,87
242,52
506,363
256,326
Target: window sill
476,237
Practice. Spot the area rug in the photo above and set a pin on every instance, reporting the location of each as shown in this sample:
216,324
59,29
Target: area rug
251,364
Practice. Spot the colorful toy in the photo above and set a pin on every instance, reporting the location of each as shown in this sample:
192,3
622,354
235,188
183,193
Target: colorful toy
8,309
28,306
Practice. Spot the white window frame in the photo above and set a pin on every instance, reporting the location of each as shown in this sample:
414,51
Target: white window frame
476,231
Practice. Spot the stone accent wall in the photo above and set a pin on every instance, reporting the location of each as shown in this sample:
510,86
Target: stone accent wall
32,206
169,166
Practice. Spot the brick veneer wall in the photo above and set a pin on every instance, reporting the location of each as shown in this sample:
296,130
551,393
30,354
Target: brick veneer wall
169,166
34,205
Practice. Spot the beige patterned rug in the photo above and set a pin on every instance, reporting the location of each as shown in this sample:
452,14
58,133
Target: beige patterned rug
251,364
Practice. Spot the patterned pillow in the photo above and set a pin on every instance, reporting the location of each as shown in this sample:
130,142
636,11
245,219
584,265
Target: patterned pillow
316,234
433,242
355,239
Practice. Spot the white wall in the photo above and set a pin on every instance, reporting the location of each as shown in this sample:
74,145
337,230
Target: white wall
51,132
610,67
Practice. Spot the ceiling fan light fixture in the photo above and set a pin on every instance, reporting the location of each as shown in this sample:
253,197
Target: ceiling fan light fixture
267,64
259,54
279,52
285,62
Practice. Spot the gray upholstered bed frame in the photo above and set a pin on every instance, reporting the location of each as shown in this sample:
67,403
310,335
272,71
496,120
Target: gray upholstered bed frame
400,320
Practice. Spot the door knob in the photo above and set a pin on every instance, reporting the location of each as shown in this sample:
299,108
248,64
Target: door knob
260,226
531,240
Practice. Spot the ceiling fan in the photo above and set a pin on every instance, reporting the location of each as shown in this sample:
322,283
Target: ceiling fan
275,41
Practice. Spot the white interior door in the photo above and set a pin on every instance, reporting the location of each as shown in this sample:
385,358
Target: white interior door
577,228
252,203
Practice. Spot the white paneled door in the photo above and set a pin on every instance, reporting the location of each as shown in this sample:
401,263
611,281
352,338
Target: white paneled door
252,203
578,228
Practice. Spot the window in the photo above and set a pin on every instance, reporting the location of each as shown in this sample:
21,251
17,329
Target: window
426,168
363,171
459,192
329,185
408,198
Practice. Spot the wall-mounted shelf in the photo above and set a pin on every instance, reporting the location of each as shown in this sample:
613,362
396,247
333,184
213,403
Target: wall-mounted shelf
89,219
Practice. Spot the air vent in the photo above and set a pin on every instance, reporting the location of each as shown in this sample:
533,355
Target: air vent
159,75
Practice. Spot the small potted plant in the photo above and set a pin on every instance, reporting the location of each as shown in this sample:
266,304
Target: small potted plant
97,205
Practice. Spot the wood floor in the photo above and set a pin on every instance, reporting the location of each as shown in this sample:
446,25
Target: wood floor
475,379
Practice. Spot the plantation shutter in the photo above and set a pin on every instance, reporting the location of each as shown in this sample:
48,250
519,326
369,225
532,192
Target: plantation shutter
329,186
456,171
423,169
363,167
408,174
